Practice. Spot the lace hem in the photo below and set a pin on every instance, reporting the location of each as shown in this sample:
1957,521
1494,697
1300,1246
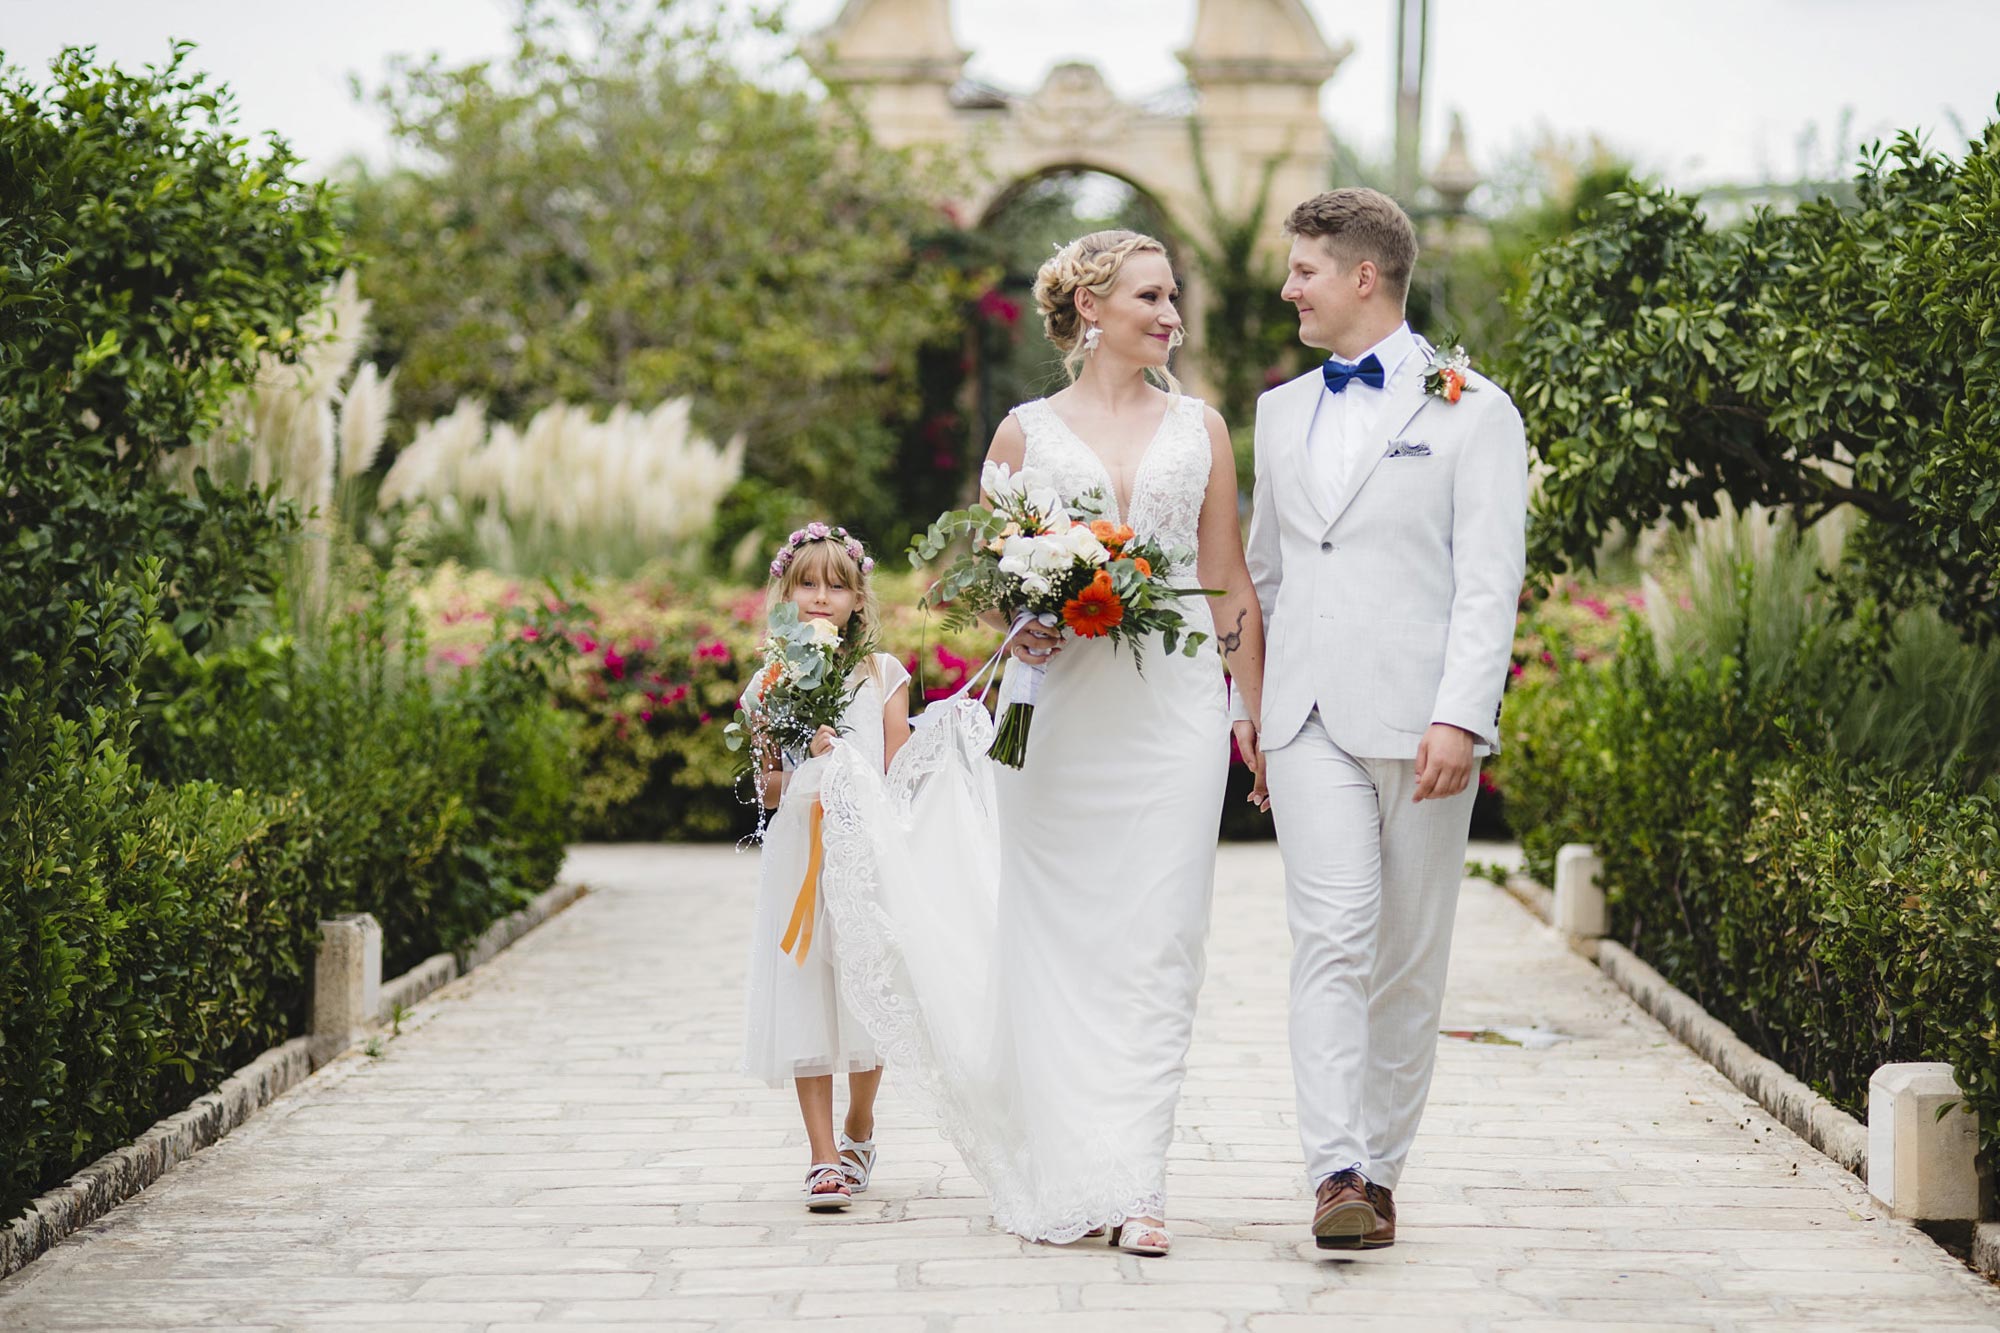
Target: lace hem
868,966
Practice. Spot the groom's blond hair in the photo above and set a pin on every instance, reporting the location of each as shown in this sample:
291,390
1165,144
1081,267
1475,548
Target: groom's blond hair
1357,223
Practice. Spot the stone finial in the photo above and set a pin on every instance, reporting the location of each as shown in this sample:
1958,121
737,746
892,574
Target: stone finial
347,983
888,41
1454,177
1580,910
1259,41
1922,1166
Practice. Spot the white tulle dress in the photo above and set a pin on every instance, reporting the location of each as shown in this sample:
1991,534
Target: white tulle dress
1027,945
795,1024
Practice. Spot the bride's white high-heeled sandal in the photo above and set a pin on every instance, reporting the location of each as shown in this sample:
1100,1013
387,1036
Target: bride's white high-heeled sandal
1141,1236
857,1159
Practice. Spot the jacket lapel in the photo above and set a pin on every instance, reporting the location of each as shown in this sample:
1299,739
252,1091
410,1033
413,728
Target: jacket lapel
1405,399
1300,407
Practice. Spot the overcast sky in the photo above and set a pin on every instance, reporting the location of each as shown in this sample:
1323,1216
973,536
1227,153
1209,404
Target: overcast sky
1697,91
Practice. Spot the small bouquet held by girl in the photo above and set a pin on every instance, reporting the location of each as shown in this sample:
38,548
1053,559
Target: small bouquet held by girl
1035,557
803,682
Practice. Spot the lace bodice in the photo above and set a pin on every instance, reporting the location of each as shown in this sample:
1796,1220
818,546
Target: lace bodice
1168,488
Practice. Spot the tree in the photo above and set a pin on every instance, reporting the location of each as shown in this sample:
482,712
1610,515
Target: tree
1833,356
618,213
146,258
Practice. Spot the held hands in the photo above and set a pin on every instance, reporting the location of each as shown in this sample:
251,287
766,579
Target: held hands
822,741
1253,755
1444,762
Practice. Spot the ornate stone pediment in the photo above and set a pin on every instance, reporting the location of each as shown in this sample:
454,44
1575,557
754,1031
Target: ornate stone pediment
1073,105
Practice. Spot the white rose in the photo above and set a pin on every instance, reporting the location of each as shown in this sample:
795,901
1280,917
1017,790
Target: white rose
1014,555
1036,585
1050,554
1083,543
824,632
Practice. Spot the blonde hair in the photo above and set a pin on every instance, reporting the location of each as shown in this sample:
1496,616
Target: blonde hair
827,559
1089,263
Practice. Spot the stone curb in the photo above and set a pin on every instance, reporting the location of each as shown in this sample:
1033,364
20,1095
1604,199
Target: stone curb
516,924
1812,1117
1793,1104
124,1172
433,974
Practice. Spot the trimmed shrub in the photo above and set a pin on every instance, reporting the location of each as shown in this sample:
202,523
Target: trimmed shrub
1835,912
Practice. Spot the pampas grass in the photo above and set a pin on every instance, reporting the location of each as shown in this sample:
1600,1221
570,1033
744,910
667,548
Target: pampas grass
306,432
1927,701
568,493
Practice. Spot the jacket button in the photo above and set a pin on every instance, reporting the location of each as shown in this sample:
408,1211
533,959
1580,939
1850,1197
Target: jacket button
1326,546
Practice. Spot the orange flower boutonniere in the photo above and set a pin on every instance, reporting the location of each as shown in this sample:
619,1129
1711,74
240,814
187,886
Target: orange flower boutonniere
1445,376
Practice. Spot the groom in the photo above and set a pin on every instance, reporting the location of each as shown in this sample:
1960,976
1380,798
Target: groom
1386,546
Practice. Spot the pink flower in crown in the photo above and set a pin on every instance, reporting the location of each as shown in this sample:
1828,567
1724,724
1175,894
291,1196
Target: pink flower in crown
818,531
798,535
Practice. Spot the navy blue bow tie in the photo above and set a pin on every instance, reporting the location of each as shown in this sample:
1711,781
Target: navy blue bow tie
1339,374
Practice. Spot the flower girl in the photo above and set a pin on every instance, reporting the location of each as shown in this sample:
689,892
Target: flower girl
797,1026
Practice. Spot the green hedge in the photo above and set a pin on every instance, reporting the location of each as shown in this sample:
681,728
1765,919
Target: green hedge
159,927
1836,913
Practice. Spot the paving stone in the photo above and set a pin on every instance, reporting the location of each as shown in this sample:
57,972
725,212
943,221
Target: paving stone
560,1140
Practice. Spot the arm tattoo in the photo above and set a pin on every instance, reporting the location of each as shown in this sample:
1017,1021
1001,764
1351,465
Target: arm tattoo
1234,639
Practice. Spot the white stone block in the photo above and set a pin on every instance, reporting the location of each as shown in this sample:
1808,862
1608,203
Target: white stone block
1921,1166
347,982
1580,910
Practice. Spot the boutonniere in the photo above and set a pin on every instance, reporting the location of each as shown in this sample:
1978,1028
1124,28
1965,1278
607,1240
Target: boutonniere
1444,376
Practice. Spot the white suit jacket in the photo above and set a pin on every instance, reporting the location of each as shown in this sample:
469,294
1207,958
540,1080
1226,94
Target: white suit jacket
1390,606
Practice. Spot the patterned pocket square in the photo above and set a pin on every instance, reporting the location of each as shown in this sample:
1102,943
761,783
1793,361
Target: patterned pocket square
1408,449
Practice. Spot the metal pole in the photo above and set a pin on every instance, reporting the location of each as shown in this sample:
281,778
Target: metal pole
1412,33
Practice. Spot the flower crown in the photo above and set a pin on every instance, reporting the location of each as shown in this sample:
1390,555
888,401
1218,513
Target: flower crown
819,532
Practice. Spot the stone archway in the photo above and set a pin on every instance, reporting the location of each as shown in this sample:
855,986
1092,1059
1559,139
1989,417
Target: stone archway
1246,132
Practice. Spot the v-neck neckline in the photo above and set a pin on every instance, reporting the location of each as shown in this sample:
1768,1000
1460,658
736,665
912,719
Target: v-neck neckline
1118,511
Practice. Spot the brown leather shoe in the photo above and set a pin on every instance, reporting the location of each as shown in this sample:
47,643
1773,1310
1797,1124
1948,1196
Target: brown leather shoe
1344,1213
1384,1204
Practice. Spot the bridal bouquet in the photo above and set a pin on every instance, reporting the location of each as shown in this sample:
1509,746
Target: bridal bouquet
1035,557
801,685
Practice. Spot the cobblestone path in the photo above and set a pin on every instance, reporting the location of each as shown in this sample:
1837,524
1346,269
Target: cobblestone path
560,1140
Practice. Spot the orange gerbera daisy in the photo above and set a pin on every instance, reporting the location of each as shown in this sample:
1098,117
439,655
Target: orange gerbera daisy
1096,610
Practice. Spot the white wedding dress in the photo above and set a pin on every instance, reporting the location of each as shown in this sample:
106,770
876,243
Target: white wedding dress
1028,944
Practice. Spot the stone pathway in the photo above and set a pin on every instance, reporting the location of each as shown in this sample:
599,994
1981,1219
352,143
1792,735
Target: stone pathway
559,1140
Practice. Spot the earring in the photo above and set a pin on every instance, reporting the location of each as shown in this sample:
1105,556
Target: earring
1175,338
1090,337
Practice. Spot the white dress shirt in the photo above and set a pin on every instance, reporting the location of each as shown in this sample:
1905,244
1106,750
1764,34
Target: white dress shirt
1343,423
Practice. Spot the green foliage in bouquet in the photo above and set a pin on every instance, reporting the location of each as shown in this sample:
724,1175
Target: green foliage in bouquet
805,680
999,572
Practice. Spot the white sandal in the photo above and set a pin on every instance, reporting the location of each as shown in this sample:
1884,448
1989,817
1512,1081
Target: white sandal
1146,1237
827,1200
857,1159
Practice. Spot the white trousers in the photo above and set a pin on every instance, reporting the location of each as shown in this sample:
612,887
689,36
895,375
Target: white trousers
1371,886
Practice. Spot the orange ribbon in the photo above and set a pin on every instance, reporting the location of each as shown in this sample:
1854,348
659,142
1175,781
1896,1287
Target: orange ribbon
806,906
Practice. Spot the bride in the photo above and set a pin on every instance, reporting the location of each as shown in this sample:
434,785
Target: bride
1030,943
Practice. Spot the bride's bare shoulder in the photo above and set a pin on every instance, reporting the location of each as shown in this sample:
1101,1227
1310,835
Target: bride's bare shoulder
1010,443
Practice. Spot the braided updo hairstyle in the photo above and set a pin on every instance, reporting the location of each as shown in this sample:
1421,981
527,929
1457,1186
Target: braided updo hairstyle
1088,263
